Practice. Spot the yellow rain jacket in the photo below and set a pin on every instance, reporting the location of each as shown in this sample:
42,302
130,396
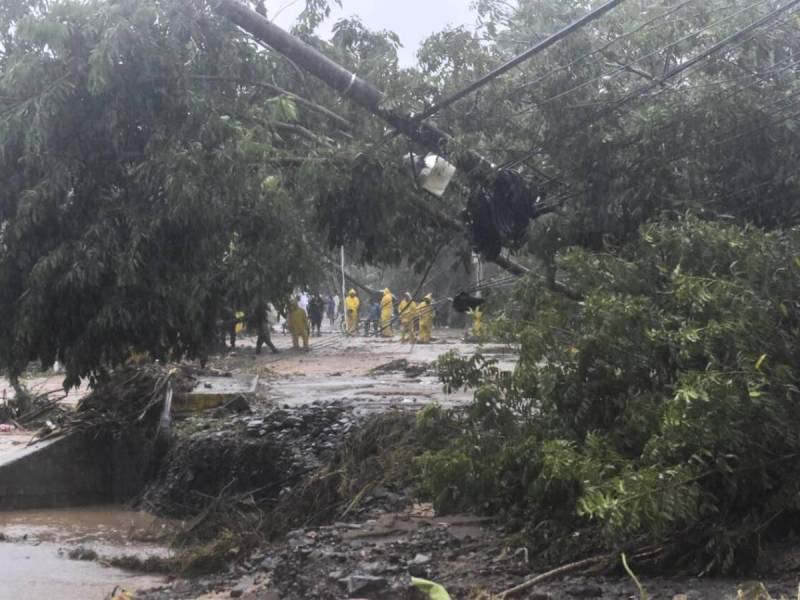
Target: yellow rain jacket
387,310
408,313
425,311
351,304
298,325
477,316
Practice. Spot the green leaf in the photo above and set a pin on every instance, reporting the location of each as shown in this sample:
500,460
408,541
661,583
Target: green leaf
433,590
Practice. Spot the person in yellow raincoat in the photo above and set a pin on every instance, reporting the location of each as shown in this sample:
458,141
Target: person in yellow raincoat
477,315
387,312
408,312
351,304
298,324
425,312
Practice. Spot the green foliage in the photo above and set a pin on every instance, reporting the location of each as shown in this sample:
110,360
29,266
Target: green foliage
372,207
135,202
662,406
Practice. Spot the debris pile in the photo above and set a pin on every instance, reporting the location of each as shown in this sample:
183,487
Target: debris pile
247,457
401,365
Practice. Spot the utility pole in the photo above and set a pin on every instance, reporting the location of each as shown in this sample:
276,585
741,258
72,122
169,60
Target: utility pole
475,167
343,283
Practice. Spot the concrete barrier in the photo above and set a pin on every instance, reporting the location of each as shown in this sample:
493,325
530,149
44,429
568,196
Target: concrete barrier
77,469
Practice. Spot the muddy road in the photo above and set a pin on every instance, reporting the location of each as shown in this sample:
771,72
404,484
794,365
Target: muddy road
35,553
306,405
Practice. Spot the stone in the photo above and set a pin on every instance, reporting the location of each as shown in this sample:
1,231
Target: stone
371,567
420,559
364,583
237,592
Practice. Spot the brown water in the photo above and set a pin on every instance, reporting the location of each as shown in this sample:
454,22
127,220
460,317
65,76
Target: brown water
34,562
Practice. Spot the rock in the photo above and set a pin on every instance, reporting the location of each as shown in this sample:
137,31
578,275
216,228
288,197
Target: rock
371,567
82,553
420,559
364,583
269,563
237,592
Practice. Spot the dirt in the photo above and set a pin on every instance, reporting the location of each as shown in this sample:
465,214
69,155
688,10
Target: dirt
313,467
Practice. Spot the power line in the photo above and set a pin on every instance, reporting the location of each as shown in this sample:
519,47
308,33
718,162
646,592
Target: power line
624,68
640,91
713,49
520,58
607,45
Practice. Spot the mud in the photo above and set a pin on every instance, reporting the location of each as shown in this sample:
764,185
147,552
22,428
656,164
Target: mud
373,550
299,449
34,558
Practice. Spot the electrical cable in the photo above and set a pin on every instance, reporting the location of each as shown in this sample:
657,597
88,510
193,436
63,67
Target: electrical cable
639,92
624,68
520,58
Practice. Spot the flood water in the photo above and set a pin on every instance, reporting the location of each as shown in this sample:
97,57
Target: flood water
34,562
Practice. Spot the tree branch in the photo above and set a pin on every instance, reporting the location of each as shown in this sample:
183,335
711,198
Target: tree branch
278,91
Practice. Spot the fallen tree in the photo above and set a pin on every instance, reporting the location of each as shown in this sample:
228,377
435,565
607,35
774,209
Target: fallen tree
661,410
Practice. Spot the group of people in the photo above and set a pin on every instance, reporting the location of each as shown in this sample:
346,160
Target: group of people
305,313
415,318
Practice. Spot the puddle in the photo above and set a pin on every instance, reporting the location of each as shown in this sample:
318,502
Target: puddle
108,530
32,572
33,563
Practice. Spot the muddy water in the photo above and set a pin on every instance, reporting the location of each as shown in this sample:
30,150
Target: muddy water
34,562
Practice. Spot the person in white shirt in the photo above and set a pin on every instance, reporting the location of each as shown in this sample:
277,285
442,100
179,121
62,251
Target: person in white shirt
303,301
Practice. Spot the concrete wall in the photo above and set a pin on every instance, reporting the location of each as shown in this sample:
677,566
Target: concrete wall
75,470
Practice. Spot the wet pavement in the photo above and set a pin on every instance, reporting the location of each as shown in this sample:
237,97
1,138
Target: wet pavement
34,562
340,369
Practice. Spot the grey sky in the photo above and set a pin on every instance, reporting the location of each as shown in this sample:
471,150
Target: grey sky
412,20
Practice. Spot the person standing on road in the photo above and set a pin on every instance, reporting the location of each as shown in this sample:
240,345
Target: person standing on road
351,304
387,312
316,310
425,311
408,312
330,309
298,324
259,322
373,322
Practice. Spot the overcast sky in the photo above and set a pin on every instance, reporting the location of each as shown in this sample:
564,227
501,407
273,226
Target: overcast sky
412,20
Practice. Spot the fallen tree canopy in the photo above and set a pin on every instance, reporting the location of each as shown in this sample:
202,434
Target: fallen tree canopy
663,409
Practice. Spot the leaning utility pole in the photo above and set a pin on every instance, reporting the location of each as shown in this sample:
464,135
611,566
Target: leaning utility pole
350,86
509,201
